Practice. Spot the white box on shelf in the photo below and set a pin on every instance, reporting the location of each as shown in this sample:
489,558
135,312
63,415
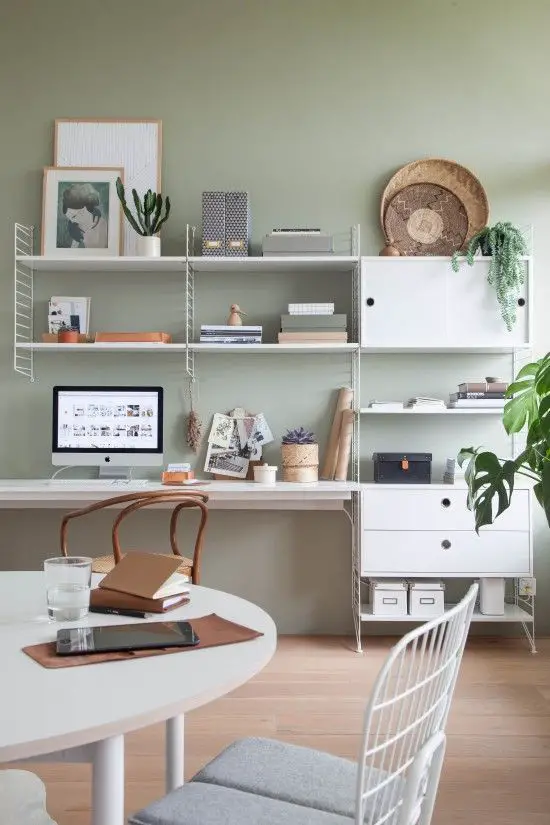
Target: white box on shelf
491,596
388,597
426,598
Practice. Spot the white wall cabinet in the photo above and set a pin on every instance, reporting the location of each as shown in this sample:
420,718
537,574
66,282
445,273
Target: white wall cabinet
422,303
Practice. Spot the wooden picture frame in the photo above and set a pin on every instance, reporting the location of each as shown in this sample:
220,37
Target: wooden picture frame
81,212
133,144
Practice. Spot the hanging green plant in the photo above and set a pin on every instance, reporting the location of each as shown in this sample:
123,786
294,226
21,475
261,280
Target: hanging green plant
505,244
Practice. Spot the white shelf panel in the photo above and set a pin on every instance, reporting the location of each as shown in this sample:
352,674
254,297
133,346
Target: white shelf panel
280,348
446,411
123,263
146,346
296,263
472,349
512,613
111,346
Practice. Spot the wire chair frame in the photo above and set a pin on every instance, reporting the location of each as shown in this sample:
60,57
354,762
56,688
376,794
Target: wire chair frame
404,725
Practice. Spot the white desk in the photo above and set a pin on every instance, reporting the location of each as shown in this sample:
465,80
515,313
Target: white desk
233,495
89,709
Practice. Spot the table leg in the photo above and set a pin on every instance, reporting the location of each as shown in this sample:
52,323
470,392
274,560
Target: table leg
174,753
108,782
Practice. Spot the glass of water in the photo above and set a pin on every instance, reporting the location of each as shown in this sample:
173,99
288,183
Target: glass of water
68,580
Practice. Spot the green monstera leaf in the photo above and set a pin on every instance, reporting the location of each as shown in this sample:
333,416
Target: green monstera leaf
488,479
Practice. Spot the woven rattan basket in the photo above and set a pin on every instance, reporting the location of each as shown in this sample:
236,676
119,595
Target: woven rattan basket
300,462
448,174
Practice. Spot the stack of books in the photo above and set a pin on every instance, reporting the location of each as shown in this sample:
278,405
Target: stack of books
224,334
313,324
476,394
425,403
386,406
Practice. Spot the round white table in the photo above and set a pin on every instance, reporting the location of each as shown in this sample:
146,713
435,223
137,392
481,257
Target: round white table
82,713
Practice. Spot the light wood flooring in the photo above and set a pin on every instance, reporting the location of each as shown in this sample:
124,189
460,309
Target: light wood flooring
497,770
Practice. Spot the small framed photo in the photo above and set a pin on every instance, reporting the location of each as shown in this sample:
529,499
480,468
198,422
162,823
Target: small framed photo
81,212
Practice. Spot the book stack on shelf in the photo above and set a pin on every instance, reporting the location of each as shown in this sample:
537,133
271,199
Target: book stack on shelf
225,334
313,324
479,394
425,404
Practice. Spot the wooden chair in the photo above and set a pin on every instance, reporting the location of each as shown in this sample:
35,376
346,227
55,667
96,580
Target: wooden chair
396,778
131,502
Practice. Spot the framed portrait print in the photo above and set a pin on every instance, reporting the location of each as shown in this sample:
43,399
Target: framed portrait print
81,212
136,145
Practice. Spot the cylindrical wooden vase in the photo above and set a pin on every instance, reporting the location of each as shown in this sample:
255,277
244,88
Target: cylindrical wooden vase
300,462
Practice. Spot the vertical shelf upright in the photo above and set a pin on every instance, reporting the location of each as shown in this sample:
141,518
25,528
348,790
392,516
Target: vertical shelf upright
23,297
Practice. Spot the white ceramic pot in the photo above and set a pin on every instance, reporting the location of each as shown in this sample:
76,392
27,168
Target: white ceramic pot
264,474
148,246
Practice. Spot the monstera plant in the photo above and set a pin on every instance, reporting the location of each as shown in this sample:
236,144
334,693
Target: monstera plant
491,479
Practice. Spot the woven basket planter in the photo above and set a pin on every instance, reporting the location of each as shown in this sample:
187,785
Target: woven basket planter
300,462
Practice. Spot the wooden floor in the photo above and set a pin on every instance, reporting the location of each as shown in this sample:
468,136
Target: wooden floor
497,770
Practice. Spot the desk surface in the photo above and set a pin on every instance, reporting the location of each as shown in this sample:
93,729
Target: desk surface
42,710
233,494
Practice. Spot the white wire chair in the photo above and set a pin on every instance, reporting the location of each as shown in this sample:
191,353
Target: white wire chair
404,729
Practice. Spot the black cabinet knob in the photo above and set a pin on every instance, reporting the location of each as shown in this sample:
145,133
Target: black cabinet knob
370,302
445,544
521,302
445,502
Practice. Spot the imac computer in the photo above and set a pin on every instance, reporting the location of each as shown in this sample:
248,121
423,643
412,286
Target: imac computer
118,427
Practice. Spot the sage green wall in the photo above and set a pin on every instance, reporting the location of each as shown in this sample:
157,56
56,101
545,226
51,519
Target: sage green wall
310,105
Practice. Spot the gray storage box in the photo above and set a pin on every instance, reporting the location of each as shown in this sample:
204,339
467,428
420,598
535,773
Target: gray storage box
237,223
301,243
213,223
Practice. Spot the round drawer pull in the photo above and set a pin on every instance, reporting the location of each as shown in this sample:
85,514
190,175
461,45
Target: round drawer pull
370,302
521,302
445,544
445,502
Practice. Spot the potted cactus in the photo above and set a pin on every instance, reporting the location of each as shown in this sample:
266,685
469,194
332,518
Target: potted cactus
300,456
148,219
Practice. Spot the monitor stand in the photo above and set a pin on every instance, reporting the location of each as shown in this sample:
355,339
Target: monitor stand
108,473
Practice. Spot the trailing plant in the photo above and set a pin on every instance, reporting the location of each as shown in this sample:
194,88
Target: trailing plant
298,436
149,218
491,479
506,244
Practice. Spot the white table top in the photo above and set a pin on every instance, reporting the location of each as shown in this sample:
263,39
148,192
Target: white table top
42,711
41,492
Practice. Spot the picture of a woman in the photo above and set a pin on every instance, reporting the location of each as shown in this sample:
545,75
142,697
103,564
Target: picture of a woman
83,215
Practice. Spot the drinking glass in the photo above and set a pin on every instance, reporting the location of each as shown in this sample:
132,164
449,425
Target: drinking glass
68,580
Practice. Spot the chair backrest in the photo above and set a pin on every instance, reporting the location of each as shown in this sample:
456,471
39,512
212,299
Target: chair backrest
182,500
404,726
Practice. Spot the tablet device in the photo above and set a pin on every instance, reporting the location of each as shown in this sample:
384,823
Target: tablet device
78,640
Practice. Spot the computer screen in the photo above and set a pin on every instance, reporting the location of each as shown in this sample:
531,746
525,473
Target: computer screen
107,425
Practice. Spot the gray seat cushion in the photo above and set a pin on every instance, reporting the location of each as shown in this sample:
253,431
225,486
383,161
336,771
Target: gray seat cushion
199,803
289,773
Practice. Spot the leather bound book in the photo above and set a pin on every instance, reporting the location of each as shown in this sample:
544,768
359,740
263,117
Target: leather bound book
102,597
147,575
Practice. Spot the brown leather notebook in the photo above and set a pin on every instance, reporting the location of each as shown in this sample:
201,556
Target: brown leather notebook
147,575
102,597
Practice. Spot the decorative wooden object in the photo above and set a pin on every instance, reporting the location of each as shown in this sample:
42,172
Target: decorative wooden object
345,397
235,318
134,337
300,462
135,501
173,477
389,251
344,445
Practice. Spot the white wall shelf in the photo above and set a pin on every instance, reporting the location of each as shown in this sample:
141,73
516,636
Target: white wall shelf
444,411
320,349
471,349
512,613
147,346
312,264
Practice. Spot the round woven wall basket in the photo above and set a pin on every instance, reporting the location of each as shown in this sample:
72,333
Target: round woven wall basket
447,175
425,219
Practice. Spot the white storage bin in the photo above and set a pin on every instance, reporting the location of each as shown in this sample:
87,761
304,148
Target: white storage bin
388,597
491,596
426,599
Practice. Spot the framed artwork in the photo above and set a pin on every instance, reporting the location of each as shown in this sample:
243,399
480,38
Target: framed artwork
136,145
81,212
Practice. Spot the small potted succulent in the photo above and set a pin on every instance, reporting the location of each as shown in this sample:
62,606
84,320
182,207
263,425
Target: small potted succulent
68,335
300,456
148,219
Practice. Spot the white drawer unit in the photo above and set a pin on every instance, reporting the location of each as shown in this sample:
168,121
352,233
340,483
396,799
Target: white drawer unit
434,508
452,553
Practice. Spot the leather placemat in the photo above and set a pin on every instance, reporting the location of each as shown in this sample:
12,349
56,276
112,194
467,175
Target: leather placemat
212,631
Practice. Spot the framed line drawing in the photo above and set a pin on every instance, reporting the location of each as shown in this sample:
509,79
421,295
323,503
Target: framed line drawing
81,212
134,145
